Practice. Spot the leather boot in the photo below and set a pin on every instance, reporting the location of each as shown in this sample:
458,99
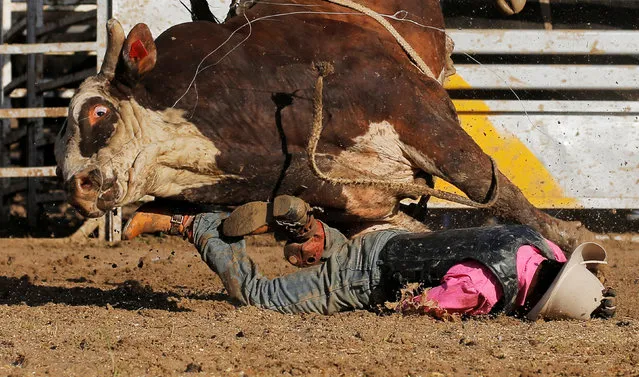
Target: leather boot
155,217
287,214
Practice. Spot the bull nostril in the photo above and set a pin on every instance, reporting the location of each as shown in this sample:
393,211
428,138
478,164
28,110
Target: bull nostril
85,184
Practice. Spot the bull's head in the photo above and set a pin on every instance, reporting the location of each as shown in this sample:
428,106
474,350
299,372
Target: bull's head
113,150
103,127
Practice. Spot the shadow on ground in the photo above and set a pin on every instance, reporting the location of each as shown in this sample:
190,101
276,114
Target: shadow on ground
129,295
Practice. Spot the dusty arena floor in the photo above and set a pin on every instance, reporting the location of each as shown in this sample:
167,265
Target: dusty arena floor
151,307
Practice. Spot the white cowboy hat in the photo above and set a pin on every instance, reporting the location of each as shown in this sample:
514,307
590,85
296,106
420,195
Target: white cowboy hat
576,291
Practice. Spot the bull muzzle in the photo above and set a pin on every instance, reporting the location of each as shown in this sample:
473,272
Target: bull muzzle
90,193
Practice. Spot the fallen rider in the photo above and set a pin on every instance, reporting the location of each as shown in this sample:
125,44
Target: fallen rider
475,271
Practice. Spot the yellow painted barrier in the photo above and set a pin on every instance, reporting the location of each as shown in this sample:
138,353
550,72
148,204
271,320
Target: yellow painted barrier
513,157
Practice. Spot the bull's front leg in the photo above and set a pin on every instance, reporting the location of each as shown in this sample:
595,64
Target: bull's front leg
511,204
440,146
461,162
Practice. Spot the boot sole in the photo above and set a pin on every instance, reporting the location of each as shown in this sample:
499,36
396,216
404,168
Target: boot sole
255,217
290,209
248,219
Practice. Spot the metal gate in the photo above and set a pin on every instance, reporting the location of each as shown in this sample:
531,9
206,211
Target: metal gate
13,178
553,95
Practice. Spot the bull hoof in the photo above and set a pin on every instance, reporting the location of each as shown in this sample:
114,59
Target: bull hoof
510,7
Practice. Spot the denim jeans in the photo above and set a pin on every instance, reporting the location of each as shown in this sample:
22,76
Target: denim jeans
348,279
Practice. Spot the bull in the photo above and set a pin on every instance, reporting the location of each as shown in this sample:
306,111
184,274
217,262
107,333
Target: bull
222,114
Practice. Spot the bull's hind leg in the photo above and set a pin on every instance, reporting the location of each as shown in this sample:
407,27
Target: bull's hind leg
445,150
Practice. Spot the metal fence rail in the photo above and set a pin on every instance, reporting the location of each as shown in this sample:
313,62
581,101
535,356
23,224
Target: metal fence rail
47,48
572,119
110,225
568,42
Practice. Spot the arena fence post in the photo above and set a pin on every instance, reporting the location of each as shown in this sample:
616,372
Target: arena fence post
4,130
109,227
35,126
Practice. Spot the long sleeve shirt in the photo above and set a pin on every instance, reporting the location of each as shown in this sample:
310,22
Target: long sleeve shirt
346,280
349,277
471,288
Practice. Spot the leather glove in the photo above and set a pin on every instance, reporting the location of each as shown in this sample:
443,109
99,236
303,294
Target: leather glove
607,306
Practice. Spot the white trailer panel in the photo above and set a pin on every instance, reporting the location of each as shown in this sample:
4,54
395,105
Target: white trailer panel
160,15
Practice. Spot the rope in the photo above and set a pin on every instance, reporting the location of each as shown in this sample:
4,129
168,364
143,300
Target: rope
325,69
412,54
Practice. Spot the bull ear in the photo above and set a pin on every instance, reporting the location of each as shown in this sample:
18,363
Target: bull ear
139,53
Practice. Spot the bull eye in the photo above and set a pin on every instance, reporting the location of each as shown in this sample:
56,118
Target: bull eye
97,113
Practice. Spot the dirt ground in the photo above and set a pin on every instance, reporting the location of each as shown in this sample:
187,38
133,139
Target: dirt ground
151,307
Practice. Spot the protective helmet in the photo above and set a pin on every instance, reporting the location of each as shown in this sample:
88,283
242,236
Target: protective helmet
576,291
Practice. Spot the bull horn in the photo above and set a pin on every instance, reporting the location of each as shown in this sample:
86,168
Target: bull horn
115,40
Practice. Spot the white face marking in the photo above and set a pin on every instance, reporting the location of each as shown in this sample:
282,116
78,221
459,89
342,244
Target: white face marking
67,147
148,153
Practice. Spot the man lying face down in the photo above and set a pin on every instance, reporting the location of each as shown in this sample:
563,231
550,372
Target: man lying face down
475,271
